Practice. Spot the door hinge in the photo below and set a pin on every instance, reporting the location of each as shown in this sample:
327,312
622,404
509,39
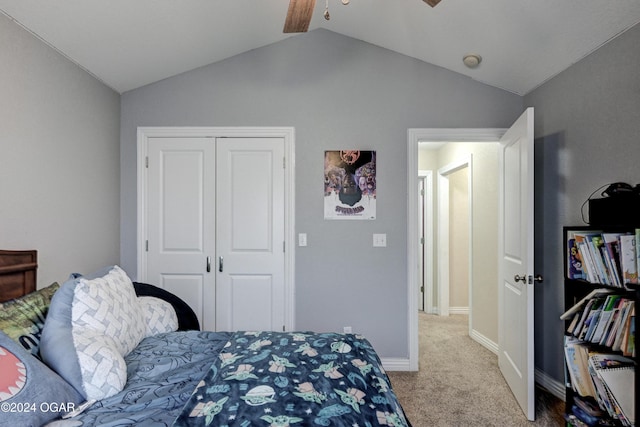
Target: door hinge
283,328
284,163
422,192
146,244
422,289
284,246
422,240
146,162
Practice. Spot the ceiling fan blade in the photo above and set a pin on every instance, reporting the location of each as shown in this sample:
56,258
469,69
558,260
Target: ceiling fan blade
432,3
299,16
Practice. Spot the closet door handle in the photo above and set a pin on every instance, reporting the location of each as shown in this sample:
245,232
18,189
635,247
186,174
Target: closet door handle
220,264
208,264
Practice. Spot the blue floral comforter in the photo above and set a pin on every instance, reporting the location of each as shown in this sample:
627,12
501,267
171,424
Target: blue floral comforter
247,379
162,373
275,379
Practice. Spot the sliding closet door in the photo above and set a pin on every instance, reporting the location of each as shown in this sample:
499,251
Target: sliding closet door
180,221
250,222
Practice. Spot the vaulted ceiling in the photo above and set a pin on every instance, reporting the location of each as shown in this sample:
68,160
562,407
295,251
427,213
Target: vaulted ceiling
131,43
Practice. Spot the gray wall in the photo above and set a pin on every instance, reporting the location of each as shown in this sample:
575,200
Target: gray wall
338,93
59,159
587,135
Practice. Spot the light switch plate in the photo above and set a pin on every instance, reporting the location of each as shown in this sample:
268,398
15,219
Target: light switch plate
302,239
379,240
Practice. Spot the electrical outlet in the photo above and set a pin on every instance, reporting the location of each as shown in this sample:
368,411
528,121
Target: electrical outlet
347,330
379,240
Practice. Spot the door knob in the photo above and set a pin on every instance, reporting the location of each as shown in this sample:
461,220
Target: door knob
537,278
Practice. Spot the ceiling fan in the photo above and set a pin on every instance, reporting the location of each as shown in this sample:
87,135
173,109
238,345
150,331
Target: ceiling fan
300,12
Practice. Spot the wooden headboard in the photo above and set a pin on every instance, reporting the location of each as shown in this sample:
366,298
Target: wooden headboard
17,273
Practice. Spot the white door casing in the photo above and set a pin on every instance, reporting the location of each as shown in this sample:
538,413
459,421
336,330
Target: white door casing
414,137
525,387
250,234
425,179
196,285
443,280
515,246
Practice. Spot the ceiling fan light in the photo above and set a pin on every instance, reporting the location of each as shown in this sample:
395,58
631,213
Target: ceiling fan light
472,60
345,2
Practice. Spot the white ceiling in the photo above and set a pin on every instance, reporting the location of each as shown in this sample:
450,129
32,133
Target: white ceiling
130,43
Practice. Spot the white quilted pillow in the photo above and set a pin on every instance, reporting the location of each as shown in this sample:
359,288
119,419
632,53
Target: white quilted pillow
159,316
104,320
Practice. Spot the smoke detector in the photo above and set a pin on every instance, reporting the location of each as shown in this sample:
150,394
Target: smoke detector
472,60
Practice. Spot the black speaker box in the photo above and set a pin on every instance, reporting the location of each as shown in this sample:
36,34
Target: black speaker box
619,210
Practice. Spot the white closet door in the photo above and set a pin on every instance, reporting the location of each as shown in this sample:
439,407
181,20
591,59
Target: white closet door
250,234
180,210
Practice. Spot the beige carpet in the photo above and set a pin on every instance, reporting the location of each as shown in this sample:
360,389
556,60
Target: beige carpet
459,382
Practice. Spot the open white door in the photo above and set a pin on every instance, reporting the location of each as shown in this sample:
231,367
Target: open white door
515,298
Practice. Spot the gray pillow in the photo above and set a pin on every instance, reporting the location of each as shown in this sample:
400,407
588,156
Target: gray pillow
31,393
93,322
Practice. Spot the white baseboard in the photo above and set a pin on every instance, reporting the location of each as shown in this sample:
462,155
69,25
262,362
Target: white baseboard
459,310
550,384
484,341
395,364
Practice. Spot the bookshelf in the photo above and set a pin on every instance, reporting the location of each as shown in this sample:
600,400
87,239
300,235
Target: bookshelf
600,300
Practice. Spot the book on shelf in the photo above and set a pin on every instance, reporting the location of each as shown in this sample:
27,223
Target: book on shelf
603,318
628,340
612,248
588,253
605,378
591,321
578,306
585,317
623,325
628,258
575,266
611,304
614,383
638,251
577,356
616,320
610,259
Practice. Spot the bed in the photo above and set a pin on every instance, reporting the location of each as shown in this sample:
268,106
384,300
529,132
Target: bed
164,371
